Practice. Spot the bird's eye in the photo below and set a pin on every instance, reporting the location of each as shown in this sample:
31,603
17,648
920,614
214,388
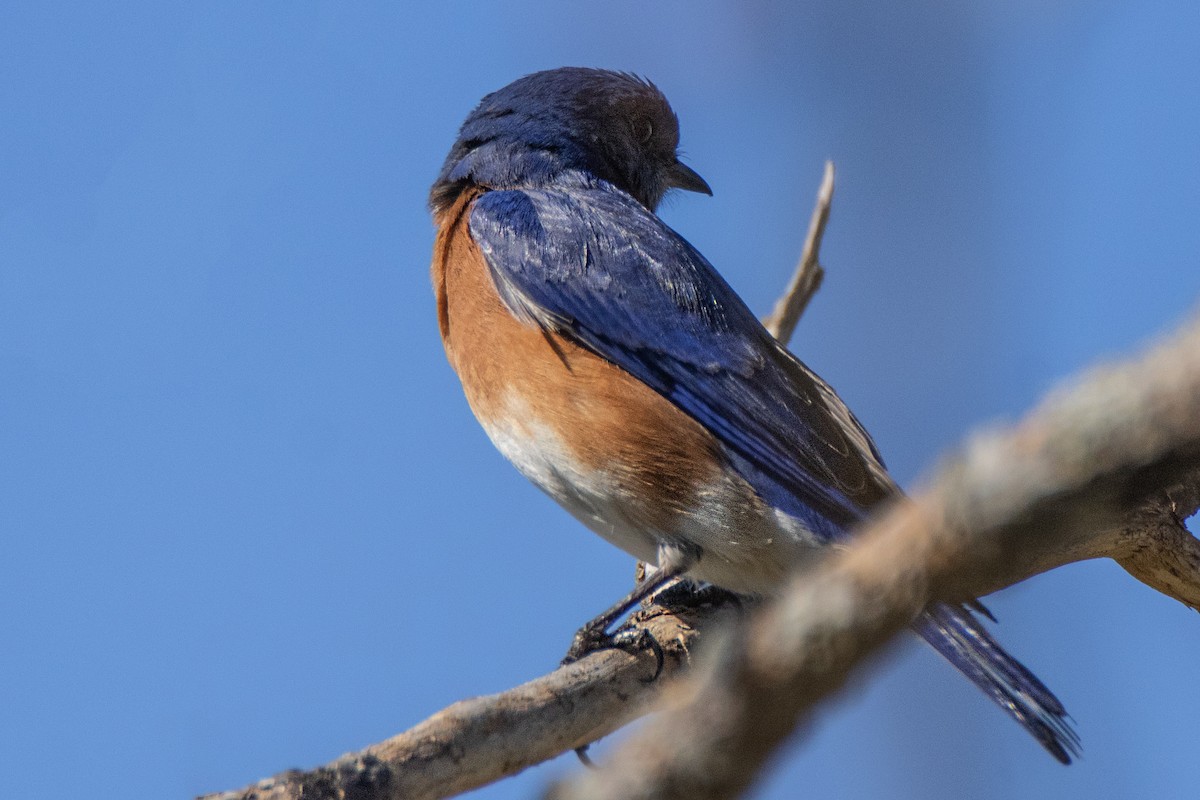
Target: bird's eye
645,131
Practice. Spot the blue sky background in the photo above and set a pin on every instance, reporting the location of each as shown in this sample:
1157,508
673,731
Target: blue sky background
248,522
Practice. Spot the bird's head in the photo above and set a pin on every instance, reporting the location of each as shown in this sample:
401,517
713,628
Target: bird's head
611,125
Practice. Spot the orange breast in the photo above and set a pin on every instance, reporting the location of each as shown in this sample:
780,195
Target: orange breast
607,422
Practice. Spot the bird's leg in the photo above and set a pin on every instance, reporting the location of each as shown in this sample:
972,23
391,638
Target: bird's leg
673,561
594,634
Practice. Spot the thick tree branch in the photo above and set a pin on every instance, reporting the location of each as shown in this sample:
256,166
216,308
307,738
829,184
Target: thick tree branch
1092,469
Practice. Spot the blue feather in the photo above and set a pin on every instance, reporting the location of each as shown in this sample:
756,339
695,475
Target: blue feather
955,633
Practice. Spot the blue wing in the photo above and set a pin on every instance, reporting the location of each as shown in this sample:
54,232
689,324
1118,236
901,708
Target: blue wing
588,261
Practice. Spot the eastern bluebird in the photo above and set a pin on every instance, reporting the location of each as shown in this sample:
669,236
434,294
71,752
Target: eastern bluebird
607,359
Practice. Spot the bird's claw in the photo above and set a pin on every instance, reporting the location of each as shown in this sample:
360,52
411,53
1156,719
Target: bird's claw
590,639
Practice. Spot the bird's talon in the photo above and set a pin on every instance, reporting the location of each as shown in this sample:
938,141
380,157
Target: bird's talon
628,640
588,639
634,641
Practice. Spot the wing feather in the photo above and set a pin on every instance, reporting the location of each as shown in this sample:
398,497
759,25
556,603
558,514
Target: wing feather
591,263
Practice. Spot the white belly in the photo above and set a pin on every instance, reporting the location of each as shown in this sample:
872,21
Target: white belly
746,546
594,497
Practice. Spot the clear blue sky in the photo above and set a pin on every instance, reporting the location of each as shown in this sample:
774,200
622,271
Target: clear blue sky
248,522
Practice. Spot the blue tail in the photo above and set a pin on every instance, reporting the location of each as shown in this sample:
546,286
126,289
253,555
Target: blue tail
955,633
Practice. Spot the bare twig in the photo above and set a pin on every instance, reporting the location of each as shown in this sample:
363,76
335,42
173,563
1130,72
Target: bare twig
1090,459
806,280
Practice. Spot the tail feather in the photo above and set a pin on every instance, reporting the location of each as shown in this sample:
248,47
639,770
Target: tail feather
955,633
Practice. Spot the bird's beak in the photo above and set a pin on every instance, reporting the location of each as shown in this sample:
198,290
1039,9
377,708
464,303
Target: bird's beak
686,178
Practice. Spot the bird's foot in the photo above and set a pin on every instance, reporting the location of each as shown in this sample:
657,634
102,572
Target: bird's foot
594,636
